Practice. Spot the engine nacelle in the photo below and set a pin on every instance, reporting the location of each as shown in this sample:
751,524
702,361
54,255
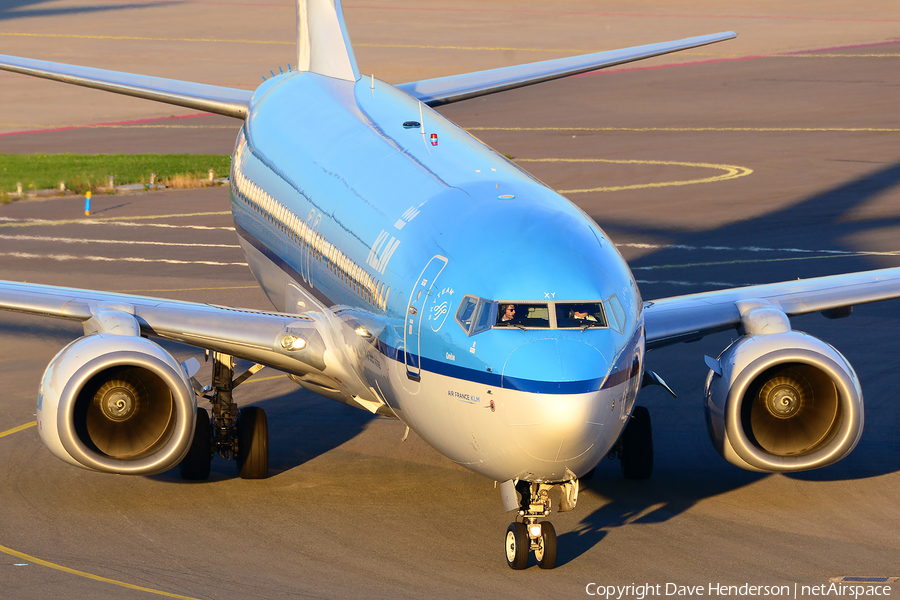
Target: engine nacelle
117,404
783,402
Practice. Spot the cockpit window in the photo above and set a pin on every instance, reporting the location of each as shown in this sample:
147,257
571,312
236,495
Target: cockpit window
475,314
484,319
465,314
618,320
517,314
580,315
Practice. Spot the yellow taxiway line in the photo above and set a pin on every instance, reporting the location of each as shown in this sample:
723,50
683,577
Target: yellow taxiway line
45,563
731,172
42,222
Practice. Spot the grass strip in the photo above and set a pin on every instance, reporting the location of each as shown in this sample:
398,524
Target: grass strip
83,172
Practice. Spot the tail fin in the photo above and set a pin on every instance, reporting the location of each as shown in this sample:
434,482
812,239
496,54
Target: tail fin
323,45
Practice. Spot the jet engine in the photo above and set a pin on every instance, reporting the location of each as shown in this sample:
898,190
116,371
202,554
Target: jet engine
783,402
117,404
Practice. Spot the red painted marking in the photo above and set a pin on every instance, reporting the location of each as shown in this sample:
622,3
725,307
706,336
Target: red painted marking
734,59
292,6
94,125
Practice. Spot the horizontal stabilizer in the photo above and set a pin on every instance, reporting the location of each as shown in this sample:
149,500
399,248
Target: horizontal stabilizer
444,90
210,98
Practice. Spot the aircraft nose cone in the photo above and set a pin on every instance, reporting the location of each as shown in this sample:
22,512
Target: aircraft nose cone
557,413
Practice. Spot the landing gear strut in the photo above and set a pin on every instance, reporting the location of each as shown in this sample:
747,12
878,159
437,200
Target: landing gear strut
240,434
523,537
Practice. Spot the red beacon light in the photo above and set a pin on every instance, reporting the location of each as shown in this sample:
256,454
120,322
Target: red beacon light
434,139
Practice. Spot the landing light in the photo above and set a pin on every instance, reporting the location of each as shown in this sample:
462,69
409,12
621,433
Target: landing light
535,530
292,343
363,332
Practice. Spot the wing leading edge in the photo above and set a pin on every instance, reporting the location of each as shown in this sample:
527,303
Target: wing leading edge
687,318
247,334
444,90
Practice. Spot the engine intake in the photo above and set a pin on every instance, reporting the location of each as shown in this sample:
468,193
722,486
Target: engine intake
783,402
117,404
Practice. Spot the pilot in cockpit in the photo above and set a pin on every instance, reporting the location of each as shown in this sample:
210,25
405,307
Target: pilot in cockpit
507,313
582,313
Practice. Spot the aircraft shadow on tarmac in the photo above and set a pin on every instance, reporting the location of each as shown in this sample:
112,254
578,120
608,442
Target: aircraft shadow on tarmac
302,426
668,493
15,9
662,497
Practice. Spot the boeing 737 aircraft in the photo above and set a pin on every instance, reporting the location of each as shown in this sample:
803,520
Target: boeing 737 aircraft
349,196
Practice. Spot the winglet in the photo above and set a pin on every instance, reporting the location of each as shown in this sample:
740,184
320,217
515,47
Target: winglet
323,45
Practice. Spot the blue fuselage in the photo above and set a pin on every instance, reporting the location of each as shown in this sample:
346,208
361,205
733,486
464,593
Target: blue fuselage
344,206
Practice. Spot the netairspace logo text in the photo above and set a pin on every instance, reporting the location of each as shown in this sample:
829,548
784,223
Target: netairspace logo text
662,590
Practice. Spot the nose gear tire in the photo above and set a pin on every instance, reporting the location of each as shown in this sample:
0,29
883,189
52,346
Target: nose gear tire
518,546
546,552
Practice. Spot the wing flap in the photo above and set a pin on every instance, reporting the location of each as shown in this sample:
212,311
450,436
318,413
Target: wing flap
230,102
444,90
690,317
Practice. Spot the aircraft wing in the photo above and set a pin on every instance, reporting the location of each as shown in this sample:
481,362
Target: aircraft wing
691,317
444,90
226,101
252,335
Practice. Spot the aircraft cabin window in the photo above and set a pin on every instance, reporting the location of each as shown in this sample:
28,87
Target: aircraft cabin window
580,315
517,314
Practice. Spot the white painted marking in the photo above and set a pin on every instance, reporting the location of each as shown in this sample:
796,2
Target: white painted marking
161,225
69,257
118,223
718,284
65,240
751,249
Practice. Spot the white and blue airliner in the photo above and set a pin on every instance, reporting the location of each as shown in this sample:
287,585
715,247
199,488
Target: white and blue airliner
416,273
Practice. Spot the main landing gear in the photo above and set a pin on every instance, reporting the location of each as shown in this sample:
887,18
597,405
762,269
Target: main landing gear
241,434
635,448
528,535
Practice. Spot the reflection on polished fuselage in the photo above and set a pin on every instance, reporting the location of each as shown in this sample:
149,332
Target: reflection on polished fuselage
353,197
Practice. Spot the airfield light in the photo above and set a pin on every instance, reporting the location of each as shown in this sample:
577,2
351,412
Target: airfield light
292,343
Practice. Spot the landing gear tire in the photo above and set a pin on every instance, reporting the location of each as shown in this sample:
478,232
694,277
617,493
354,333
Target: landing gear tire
546,550
518,546
636,446
195,465
253,443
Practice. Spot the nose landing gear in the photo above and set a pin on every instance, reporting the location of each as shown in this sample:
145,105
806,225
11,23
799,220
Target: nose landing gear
528,535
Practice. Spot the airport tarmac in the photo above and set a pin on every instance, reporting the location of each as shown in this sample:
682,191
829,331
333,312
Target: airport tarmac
769,158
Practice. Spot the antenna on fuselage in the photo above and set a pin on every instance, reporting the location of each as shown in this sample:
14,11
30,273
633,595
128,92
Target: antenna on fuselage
422,127
373,85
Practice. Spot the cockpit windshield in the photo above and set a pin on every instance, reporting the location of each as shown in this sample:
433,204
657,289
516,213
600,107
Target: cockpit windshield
582,314
476,314
512,314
